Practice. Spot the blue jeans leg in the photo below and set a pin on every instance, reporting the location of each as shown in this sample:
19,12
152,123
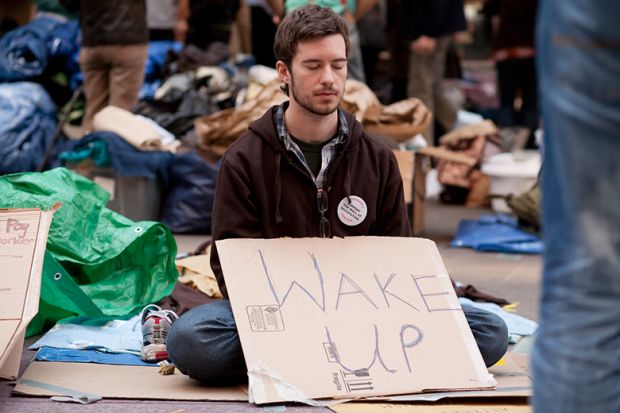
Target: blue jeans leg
576,358
490,333
203,343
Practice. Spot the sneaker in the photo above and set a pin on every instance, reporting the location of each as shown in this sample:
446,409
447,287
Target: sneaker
155,325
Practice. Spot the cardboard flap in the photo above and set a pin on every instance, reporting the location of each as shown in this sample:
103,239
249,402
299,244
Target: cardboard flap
447,155
43,378
348,318
23,235
485,127
405,166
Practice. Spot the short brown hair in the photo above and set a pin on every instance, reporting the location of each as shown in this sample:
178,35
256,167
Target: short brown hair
307,23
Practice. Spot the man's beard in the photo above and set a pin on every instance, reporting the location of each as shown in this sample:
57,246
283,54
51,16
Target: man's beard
310,107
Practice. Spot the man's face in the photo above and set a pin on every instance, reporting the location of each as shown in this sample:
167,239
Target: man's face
317,74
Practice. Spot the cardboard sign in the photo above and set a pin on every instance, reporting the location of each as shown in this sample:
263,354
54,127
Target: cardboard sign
348,318
23,235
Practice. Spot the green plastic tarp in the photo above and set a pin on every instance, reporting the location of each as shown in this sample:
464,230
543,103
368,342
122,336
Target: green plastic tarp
97,262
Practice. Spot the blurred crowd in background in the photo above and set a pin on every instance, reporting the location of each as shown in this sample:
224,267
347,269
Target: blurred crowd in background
473,55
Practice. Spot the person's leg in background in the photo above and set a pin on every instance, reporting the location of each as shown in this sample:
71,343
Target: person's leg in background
529,108
445,109
355,66
576,358
399,66
507,88
127,74
425,82
96,80
263,35
370,58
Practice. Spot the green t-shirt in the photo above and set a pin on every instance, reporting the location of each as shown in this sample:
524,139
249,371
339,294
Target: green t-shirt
335,5
312,153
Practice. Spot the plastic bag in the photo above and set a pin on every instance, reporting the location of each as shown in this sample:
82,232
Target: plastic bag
119,265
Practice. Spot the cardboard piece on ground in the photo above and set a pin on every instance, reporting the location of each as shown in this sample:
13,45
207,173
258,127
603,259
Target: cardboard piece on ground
23,236
512,382
348,318
470,407
445,154
113,381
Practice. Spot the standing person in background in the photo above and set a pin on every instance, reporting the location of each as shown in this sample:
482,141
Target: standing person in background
576,358
266,15
242,30
211,21
167,19
113,53
514,54
373,39
351,10
399,51
428,26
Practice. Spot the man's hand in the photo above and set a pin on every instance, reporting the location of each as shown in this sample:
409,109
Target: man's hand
180,30
424,45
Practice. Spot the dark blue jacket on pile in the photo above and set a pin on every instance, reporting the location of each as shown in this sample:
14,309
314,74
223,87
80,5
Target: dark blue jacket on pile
27,49
27,124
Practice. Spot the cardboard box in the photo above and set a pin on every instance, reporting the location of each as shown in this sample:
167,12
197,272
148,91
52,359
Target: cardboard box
138,198
23,236
414,166
348,318
413,169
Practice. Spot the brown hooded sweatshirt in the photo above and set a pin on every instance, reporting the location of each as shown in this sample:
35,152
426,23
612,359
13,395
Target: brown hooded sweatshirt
263,191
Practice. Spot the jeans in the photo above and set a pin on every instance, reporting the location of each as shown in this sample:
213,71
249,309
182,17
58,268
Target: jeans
513,76
355,65
426,82
204,343
576,358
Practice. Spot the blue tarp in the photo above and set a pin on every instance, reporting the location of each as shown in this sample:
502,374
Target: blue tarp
155,60
27,124
90,356
27,49
496,233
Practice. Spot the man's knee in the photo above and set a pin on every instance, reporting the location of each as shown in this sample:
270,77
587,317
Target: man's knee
490,332
204,344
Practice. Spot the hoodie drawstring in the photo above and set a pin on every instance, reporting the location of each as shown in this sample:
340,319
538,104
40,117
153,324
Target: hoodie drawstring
347,178
278,184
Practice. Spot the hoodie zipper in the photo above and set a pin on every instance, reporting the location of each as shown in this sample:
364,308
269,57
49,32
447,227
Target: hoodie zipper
295,163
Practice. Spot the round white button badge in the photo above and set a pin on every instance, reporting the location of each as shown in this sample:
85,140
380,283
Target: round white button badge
352,210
